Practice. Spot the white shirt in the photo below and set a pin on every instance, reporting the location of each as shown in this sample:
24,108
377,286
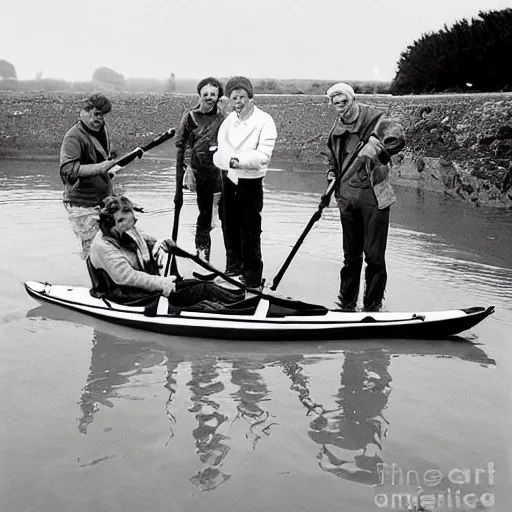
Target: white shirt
251,141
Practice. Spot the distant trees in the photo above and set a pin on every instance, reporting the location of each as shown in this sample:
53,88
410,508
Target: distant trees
471,55
7,70
269,86
109,78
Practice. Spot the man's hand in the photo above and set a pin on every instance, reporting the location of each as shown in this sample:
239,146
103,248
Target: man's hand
168,245
105,166
330,176
169,285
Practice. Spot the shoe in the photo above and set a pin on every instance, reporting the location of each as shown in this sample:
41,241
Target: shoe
233,270
220,281
348,307
373,308
252,283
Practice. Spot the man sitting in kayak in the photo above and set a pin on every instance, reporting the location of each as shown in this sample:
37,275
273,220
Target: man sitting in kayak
123,266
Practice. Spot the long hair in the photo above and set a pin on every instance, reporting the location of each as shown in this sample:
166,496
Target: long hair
110,206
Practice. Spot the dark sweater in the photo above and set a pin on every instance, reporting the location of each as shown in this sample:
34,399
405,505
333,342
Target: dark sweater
198,131
78,148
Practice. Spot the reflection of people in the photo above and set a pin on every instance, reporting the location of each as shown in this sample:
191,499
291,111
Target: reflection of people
356,425
198,130
210,443
114,363
124,269
364,194
252,390
246,140
84,164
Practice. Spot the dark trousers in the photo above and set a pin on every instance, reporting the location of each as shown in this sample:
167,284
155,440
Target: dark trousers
206,187
190,291
365,231
241,224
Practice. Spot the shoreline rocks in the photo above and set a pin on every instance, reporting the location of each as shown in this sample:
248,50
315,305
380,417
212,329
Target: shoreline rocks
459,145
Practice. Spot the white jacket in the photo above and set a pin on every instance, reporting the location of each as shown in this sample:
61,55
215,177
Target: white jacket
251,141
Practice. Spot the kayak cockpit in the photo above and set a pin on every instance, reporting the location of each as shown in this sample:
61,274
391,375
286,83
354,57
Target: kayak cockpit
254,306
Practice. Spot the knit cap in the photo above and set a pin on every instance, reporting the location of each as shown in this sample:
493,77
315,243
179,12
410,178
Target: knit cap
239,82
210,81
341,88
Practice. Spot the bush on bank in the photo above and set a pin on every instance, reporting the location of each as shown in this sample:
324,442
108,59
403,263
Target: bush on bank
469,56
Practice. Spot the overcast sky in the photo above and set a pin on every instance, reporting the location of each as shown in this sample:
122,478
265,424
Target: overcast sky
324,39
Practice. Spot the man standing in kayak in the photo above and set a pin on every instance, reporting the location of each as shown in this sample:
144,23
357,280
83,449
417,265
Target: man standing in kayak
198,130
364,193
246,140
85,159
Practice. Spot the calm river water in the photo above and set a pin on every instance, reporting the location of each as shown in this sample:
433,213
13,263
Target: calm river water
96,417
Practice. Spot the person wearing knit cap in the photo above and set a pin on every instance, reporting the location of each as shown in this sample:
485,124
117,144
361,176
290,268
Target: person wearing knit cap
197,132
246,140
239,82
363,193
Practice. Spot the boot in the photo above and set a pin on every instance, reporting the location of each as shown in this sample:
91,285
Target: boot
346,306
252,280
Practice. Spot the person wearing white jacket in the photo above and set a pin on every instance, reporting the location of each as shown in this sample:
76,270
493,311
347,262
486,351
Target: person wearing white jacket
245,142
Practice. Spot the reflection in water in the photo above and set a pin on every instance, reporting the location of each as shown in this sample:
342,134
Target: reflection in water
114,363
170,384
350,435
252,390
210,444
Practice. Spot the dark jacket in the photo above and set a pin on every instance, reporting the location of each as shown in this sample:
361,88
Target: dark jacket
372,159
80,147
198,131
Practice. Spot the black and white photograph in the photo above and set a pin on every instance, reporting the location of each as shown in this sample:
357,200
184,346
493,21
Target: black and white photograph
256,256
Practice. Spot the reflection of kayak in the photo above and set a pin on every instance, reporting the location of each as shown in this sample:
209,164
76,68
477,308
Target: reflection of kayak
261,319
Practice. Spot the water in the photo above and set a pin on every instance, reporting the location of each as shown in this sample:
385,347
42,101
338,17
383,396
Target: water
102,417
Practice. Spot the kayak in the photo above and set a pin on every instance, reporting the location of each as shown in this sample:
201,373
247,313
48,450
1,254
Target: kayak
269,319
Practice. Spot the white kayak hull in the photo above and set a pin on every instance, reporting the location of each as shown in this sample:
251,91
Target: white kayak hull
334,325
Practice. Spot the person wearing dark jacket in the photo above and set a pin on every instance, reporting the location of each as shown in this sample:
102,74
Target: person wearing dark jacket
364,193
198,131
85,159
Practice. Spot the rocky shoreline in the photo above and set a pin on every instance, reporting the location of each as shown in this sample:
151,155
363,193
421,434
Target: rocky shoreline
459,145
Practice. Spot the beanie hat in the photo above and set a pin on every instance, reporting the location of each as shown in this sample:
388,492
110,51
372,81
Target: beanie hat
341,88
239,82
210,81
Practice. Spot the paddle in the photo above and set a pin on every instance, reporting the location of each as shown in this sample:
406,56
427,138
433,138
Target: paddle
178,251
139,152
172,264
324,201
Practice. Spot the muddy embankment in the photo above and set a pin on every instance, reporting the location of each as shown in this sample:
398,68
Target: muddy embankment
459,145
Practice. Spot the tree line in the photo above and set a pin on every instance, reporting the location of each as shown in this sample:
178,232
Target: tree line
469,56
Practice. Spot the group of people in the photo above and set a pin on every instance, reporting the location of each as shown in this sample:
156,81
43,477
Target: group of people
229,143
